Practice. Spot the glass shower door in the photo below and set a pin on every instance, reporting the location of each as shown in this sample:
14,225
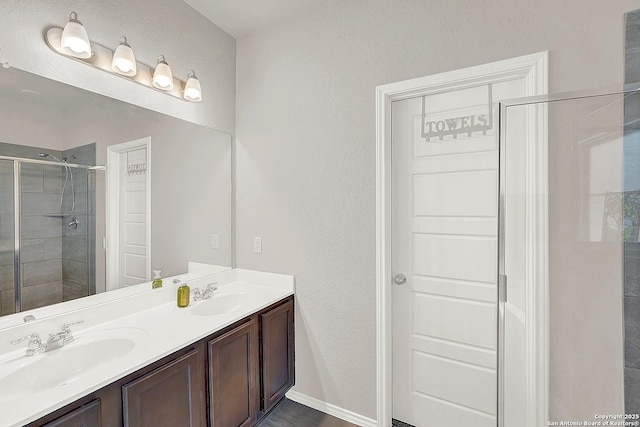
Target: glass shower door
568,209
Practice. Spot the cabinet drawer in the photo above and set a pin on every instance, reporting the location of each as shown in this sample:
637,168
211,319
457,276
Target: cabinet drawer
85,416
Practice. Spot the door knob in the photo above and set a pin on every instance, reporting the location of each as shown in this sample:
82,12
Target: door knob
400,279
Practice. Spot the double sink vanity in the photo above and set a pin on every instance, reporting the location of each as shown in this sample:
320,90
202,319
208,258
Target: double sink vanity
133,358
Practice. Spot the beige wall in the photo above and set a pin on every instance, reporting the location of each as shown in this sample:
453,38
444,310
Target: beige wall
190,183
306,145
153,27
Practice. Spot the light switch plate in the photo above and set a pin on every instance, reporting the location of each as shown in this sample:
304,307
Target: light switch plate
257,245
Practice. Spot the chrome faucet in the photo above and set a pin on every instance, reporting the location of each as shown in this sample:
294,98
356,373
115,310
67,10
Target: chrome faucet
197,294
57,340
35,345
60,339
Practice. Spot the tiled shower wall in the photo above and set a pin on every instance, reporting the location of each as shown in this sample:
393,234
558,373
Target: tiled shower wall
78,244
632,246
41,235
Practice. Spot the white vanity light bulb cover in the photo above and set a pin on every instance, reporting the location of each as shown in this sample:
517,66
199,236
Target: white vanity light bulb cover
75,39
124,62
162,77
192,89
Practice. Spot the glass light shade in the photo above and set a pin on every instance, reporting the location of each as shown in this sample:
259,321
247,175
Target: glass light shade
162,77
124,62
75,39
192,89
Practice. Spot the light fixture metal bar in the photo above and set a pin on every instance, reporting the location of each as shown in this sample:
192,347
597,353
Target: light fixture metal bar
102,58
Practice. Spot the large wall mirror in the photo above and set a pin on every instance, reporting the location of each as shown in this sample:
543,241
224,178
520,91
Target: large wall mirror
96,193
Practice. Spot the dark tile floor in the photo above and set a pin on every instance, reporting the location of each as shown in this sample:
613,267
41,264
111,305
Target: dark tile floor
292,414
397,423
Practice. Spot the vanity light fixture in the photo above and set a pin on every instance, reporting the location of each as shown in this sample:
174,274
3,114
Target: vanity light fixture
124,62
74,40
192,90
162,77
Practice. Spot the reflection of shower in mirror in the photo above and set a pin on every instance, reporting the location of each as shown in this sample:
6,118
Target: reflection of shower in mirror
67,179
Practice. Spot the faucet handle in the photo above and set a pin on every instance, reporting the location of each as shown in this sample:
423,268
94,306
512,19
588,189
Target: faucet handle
35,337
67,326
208,292
35,343
65,331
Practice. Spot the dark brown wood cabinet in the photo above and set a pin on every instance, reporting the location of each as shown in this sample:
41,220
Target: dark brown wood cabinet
229,379
85,416
172,395
234,396
277,349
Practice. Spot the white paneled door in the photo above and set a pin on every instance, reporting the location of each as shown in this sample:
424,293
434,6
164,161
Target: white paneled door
129,208
133,218
444,256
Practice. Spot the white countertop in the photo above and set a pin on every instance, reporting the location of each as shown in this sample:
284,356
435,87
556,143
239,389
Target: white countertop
119,337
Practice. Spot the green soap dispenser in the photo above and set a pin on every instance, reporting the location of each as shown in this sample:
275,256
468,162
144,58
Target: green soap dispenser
184,294
157,280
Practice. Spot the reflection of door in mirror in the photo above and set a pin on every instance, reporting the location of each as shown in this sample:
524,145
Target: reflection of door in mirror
129,222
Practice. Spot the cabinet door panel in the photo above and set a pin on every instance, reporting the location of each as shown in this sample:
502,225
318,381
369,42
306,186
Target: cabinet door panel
169,396
233,377
277,354
85,416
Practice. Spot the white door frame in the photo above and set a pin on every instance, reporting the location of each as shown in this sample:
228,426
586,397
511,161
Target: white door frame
534,69
113,206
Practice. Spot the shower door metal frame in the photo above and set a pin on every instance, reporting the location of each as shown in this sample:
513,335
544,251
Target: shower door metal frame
17,170
17,276
536,339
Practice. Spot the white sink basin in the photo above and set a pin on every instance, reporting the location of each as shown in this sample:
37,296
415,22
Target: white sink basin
219,304
60,367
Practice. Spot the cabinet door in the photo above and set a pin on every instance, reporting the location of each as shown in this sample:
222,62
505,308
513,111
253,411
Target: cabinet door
234,394
277,354
170,396
86,416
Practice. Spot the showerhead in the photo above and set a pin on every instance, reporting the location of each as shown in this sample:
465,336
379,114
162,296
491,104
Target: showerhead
45,155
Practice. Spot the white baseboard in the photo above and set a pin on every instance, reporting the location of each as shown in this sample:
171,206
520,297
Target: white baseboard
330,409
